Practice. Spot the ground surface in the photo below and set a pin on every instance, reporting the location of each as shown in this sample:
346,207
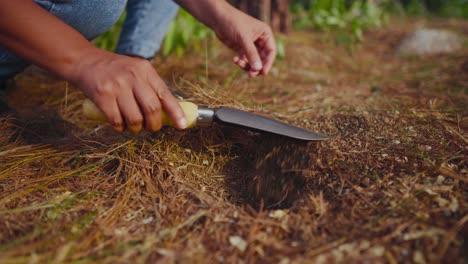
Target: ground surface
390,186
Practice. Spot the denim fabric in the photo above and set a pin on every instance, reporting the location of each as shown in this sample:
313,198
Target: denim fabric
145,26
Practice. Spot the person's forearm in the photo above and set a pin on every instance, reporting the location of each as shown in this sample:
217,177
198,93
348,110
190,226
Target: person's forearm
206,11
33,34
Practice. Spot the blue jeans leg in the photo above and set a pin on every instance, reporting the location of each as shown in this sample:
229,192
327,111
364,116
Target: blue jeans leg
145,26
90,18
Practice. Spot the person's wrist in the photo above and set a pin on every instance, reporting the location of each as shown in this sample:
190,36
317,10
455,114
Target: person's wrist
223,11
77,62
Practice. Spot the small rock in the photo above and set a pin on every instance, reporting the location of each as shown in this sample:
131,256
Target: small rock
440,180
378,251
166,252
119,232
277,214
147,220
430,42
238,242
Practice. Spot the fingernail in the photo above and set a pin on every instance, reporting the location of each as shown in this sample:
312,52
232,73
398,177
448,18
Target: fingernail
183,123
257,66
135,129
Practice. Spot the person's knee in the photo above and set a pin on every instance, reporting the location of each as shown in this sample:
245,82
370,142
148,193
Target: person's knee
90,18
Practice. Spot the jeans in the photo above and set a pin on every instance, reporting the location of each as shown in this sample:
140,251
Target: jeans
145,26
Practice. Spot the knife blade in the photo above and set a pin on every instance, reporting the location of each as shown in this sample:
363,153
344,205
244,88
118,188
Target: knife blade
205,116
234,117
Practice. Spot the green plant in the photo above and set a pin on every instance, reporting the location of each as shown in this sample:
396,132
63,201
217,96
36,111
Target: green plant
184,33
454,9
109,40
415,7
350,18
281,51
446,8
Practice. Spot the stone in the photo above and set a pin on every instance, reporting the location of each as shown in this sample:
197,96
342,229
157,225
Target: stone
425,42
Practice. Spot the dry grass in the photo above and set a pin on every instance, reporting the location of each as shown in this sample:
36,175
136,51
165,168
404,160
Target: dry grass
389,187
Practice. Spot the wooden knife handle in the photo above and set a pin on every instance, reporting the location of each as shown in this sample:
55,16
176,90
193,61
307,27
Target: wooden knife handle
190,109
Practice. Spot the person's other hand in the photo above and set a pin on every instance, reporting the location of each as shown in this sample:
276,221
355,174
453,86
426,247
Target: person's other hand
127,90
251,39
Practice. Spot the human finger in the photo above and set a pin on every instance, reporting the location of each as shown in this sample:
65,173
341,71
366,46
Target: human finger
150,107
269,54
131,112
112,113
243,64
251,53
253,73
169,103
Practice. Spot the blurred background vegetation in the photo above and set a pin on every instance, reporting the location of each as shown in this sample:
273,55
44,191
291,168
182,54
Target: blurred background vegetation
350,18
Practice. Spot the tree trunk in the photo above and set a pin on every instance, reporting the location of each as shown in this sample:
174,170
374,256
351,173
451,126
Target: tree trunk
273,12
280,20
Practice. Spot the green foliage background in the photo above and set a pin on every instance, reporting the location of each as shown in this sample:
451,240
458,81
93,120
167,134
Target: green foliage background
184,33
347,17
445,8
350,18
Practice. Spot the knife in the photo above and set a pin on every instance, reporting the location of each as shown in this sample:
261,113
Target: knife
204,116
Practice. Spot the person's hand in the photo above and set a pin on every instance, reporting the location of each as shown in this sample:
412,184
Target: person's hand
251,39
127,90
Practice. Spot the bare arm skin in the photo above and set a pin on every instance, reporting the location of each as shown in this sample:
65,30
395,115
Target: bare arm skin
32,33
252,39
128,90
